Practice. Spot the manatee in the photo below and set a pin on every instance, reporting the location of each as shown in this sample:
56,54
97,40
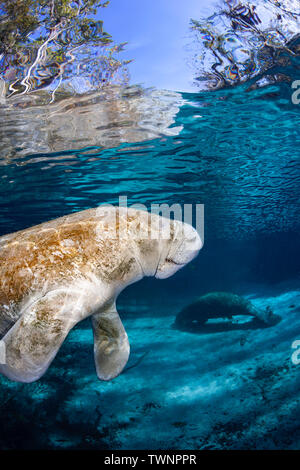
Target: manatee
58,273
222,305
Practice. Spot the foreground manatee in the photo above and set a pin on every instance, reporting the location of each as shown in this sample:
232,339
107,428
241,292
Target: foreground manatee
56,274
221,305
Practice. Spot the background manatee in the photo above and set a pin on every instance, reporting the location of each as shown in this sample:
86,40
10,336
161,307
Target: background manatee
222,305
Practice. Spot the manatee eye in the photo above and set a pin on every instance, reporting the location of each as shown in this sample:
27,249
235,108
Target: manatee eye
169,260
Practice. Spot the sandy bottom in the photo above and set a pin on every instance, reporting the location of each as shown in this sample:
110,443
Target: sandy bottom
233,389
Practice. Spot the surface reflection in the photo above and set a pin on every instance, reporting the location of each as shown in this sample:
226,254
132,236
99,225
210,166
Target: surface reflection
242,40
105,118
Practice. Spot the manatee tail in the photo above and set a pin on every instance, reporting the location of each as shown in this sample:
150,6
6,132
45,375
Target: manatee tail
267,316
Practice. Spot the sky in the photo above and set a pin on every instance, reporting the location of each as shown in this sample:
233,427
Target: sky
157,32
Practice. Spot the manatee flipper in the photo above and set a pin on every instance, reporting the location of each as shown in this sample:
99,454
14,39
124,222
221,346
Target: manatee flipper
33,342
111,346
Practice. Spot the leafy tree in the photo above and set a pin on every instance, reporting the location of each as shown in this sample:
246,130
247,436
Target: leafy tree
43,42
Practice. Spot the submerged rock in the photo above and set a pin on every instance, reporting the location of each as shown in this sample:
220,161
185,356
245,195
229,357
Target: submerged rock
222,305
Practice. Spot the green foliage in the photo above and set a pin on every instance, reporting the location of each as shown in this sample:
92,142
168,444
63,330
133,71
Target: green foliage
21,18
43,41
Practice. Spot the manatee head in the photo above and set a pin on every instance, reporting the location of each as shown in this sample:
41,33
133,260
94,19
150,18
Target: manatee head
163,245
160,246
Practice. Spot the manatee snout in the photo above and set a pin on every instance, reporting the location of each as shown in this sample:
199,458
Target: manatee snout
190,246
185,248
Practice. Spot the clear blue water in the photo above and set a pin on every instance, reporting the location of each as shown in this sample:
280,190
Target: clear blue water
235,150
